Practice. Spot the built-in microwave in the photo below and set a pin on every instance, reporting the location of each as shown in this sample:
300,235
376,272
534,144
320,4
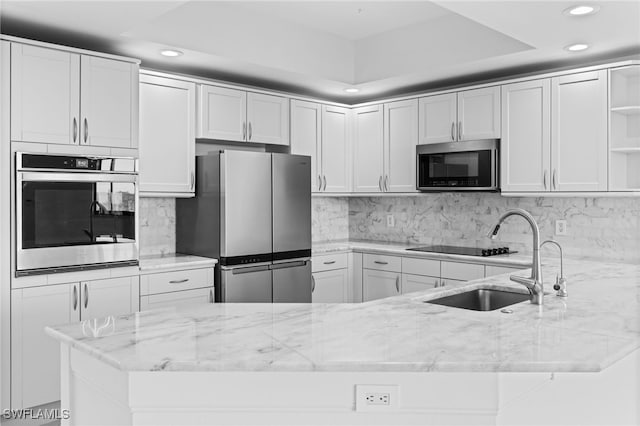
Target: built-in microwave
75,212
458,166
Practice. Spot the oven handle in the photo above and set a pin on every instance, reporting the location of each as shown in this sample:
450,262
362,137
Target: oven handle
76,177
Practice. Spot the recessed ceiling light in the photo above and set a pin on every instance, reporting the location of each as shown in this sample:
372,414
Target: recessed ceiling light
171,53
577,47
581,10
352,90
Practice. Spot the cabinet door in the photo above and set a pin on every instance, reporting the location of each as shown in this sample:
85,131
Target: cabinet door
35,357
461,271
108,102
400,140
330,286
177,299
411,283
579,132
167,136
45,95
491,270
526,136
268,119
222,113
437,118
335,153
379,284
368,143
114,296
306,133
479,114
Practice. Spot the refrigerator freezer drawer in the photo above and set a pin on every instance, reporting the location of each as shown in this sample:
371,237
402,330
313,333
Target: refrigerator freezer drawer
292,282
246,285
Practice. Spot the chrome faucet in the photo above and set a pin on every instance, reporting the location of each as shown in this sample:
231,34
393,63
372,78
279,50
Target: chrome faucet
534,282
561,283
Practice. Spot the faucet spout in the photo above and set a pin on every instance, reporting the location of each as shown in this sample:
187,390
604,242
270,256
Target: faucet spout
534,282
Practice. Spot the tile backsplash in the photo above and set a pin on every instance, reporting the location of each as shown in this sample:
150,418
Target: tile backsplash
604,228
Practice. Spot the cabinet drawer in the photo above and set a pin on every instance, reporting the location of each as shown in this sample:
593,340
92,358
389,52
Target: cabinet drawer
166,282
382,262
491,270
461,271
411,283
328,262
176,299
428,267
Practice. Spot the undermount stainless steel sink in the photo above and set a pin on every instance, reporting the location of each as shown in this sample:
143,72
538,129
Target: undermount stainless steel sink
481,299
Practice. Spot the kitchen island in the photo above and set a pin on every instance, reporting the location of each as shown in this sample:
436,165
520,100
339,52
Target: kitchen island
574,360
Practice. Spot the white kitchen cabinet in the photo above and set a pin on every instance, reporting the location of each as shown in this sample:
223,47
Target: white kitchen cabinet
167,136
268,119
67,98
35,357
579,132
379,284
368,144
461,271
330,286
237,115
176,288
411,283
525,147
177,299
335,157
45,95
306,136
491,270
466,115
110,297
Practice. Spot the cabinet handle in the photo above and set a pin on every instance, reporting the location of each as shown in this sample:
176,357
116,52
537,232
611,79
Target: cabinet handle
544,179
211,296
313,283
380,262
442,283
86,130
250,131
179,281
324,179
319,183
555,179
398,283
437,283
330,262
459,130
75,297
380,183
453,130
193,179
86,295
244,131
75,129
386,183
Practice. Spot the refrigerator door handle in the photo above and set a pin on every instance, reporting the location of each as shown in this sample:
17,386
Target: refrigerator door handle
248,270
294,264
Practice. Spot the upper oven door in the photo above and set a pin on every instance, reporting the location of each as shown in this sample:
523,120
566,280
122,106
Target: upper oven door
74,218
458,166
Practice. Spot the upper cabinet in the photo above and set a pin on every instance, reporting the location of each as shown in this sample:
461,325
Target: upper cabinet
240,116
66,98
466,115
385,139
554,134
306,136
167,136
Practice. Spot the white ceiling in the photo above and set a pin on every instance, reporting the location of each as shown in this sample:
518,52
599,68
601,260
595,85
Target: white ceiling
322,47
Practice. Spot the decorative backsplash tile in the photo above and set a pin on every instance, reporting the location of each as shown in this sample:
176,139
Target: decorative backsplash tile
157,226
604,228
329,218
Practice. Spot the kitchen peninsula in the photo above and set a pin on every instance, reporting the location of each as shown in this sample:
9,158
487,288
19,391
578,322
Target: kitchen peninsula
316,363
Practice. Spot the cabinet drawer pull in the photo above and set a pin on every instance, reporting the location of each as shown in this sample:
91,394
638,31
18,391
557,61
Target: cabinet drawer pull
380,262
179,281
459,130
86,130
75,297
250,131
86,296
331,262
453,130
313,283
75,129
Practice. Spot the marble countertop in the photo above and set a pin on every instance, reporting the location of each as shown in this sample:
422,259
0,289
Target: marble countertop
174,261
400,249
597,325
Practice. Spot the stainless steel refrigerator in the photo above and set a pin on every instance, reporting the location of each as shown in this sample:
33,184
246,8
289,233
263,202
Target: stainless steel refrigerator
252,212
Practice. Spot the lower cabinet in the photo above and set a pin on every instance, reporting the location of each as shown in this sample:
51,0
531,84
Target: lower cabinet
35,357
176,288
411,283
330,286
378,284
491,270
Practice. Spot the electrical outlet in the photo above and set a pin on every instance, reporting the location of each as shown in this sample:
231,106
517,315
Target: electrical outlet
561,227
377,397
391,221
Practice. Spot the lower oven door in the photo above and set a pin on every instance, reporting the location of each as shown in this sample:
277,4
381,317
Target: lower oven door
71,221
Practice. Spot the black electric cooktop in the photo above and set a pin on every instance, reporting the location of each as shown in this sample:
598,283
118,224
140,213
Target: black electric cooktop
467,251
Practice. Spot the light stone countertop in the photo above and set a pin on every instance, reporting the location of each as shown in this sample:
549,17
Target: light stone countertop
173,262
400,249
597,325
